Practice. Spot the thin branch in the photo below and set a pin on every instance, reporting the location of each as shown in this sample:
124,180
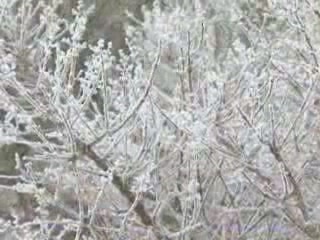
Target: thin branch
138,104
117,181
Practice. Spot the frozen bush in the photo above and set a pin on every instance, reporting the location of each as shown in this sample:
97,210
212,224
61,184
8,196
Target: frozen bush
204,127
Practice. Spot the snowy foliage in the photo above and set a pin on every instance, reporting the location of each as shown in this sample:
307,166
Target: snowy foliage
206,127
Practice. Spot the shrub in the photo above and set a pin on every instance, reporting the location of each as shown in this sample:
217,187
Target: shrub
205,127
